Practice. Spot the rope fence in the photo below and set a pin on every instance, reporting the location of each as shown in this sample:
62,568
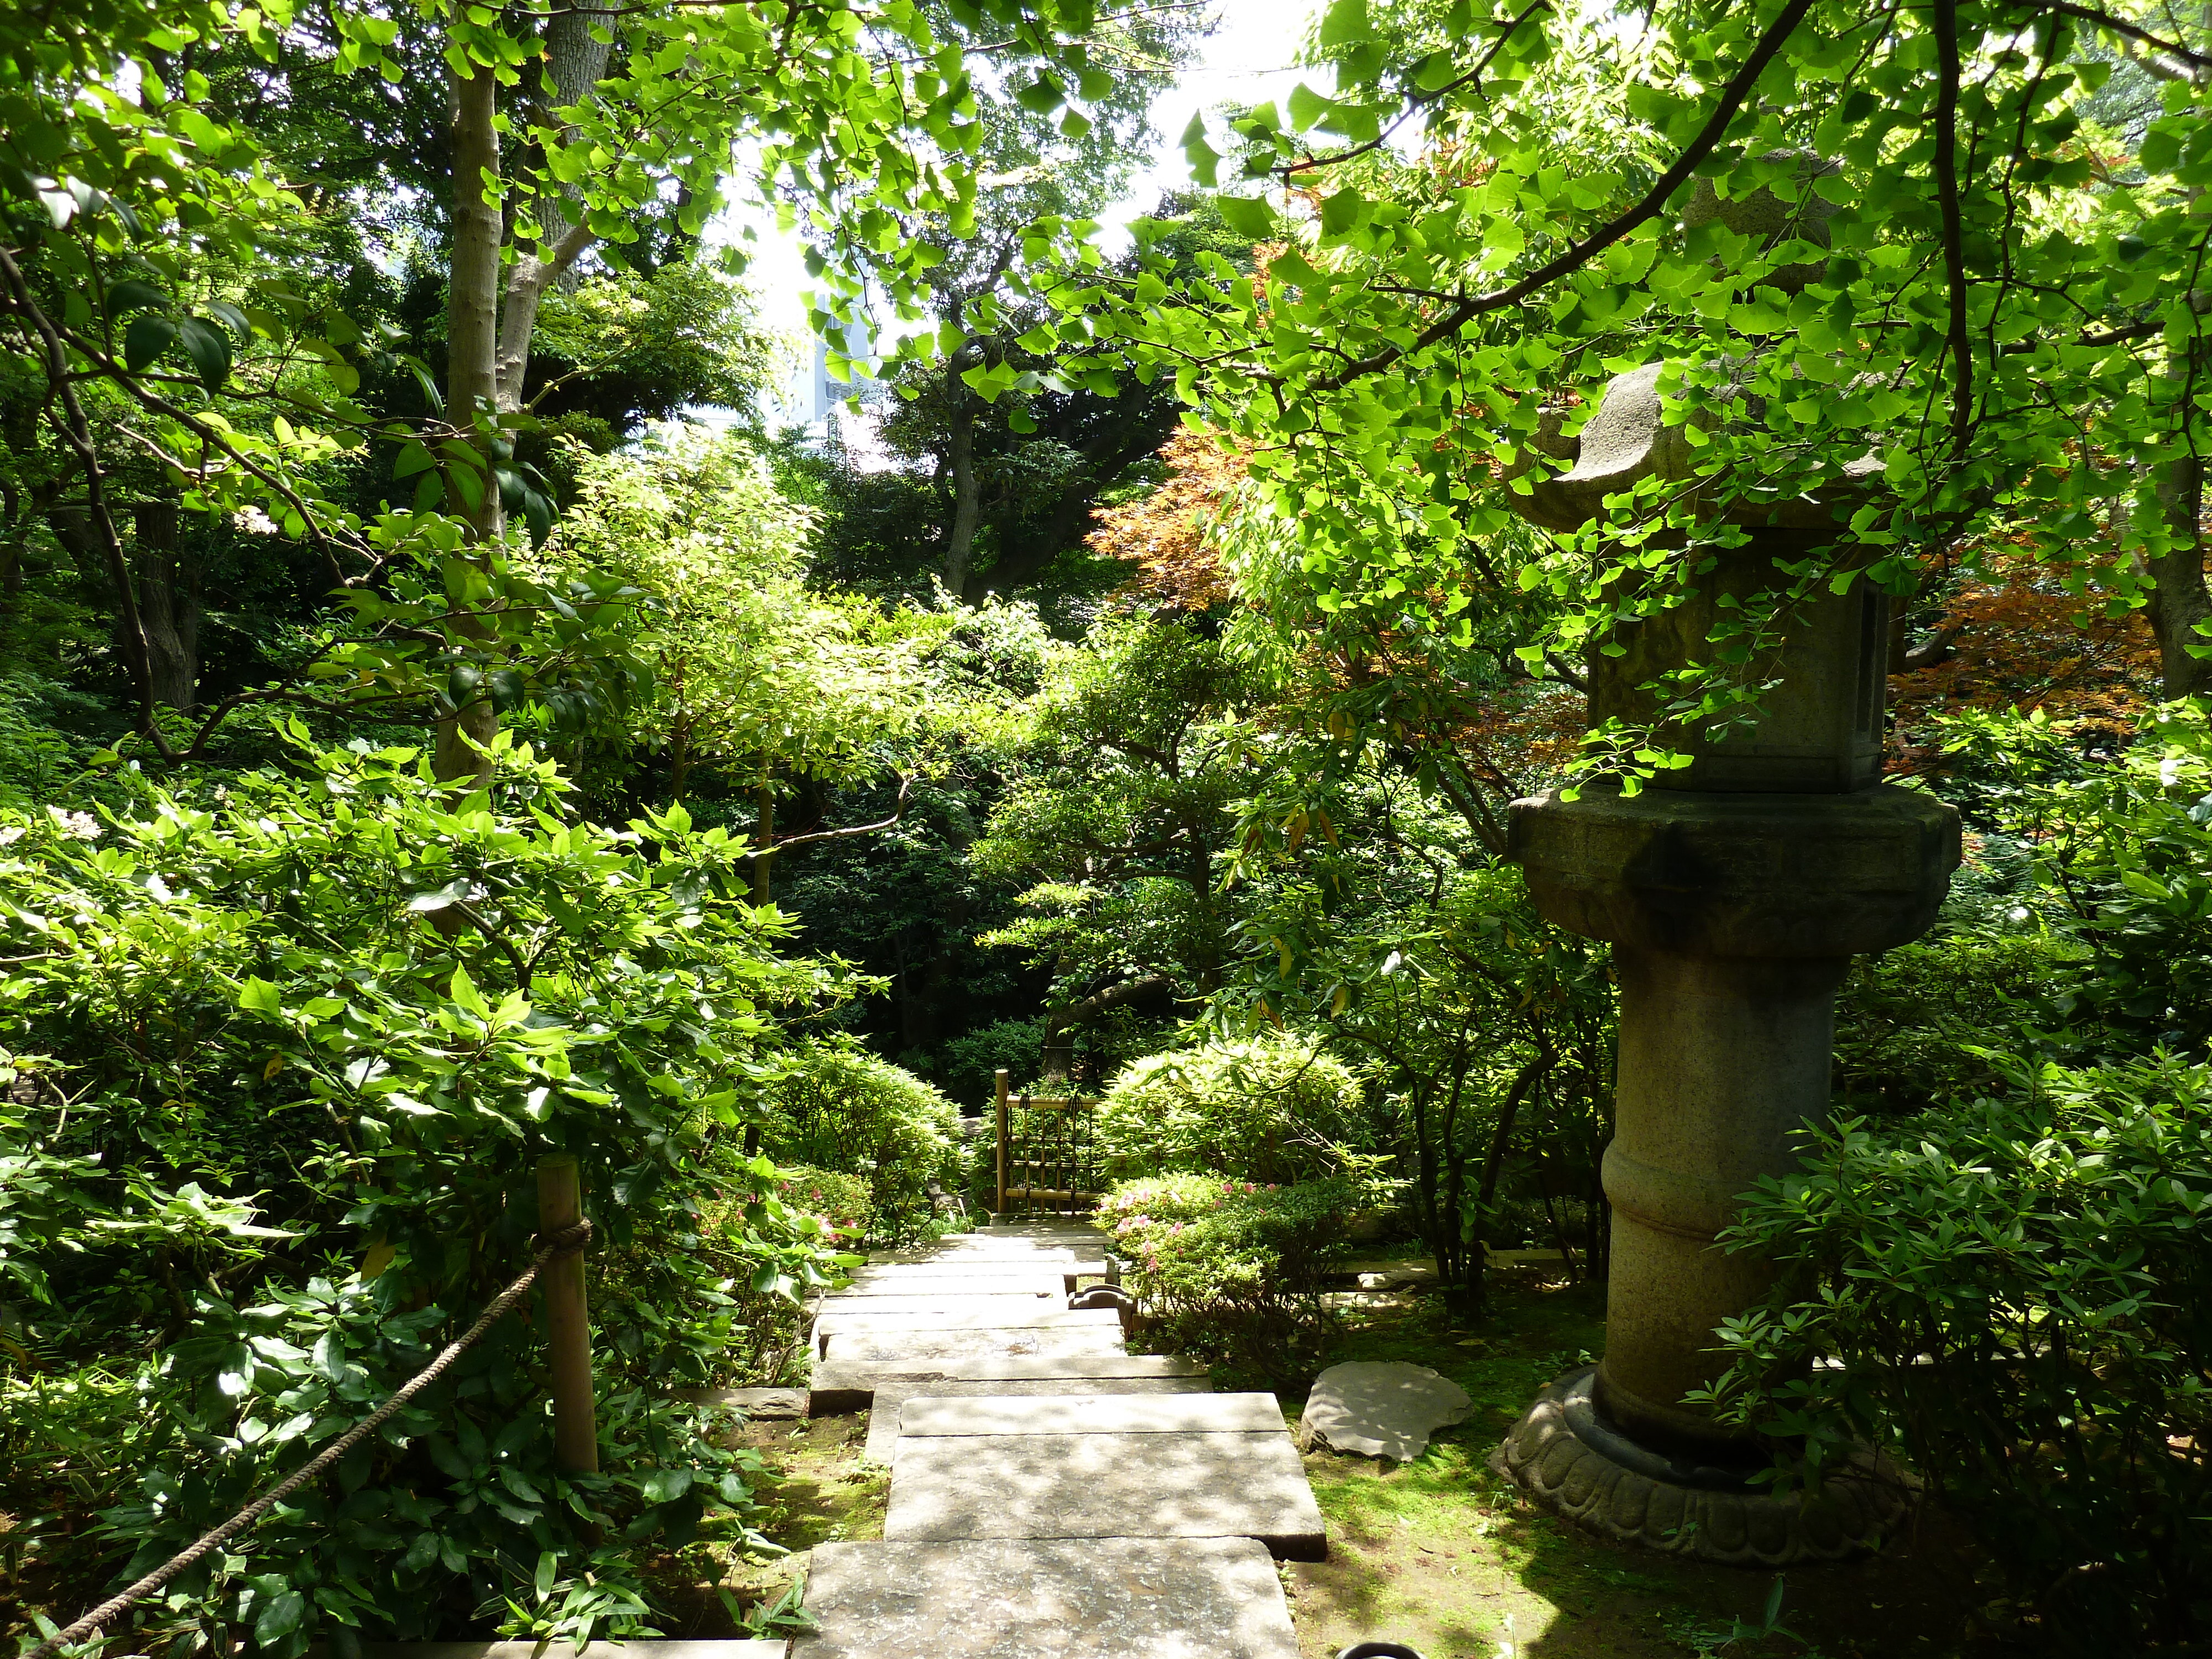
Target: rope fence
566,1241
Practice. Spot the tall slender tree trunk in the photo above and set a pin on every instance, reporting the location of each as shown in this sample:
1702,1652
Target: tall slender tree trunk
2179,601
764,842
472,378
577,62
168,606
966,493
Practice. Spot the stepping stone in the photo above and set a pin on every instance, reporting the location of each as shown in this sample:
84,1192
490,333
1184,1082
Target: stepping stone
948,1487
998,1315
1118,1598
843,1386
1377,1408
759,1405
1018,1304
938,1279
1001,1258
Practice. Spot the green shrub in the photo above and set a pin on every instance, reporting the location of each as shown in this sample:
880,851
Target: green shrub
2015,1297
841,1108
1234,1270
1908,1020
1274,1109
240,1060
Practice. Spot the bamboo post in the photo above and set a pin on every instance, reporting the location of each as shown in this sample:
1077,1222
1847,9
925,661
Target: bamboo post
1000,1208
568,1321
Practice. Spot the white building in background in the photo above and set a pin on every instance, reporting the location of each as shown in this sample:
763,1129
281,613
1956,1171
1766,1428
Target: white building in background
812,401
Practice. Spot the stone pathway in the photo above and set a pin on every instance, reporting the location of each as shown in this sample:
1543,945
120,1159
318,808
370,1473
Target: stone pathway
1052,1494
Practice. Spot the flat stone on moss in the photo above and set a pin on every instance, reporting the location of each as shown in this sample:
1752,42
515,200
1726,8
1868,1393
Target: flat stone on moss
1380,1408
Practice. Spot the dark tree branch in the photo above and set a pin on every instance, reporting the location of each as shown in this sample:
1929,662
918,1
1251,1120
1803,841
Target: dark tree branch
898,812
1954,249
2126,31
77,432
1654,201
1419,101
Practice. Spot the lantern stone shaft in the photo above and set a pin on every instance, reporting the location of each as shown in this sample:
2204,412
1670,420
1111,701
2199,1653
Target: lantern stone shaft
1735,893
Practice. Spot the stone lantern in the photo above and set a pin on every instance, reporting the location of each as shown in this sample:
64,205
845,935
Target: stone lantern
1734,892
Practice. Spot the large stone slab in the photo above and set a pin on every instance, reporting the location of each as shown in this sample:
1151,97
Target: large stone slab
1099,1413
867,1344
1379,1409
1017,1306
998,1314
632,1650
1011,1255
841,1386
1041,1228
937,1279
1123,1598
1105,1486
891,1395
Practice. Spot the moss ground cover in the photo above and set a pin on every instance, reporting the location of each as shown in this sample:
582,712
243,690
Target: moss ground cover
1441,1554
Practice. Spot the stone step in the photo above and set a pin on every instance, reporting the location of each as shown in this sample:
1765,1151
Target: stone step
927,1309
1099,1411
843,1386
924,1279
871,1344
759,1405
629,1649
1067,1229
885,1413
951,1487
1008,1255
1122,1598
999,1315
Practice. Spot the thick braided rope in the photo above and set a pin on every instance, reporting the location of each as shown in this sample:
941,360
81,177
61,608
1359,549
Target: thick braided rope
565,1242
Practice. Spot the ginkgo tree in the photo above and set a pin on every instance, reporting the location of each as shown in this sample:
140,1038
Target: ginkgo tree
1486,213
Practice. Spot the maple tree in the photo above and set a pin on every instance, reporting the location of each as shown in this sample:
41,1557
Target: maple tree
1167,533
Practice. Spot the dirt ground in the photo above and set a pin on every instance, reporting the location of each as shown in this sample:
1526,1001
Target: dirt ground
1438,1553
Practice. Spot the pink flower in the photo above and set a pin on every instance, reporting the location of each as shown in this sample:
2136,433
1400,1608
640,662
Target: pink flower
1249,1187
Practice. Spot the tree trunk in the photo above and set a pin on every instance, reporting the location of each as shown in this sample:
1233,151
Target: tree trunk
2179,601
577,62
1062,1023
168,607
764,841
471,376
967,487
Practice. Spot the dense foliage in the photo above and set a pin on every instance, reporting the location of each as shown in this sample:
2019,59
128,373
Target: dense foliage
415,763
841,1108
2010,1294
1234,1269
281,1065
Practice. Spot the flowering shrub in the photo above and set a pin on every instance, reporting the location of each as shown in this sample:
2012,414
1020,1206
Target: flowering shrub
1233,1269
1273,1109
841,1200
